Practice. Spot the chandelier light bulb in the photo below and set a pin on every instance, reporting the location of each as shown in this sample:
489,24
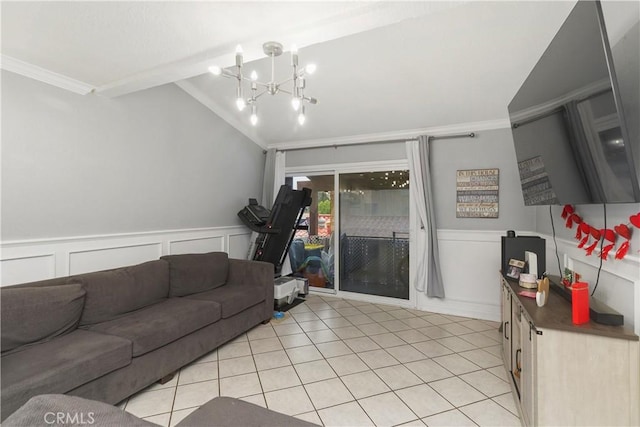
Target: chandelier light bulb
239,60
301,117
295,103
294,49
254,114
310,68
254,75
215,70
240,104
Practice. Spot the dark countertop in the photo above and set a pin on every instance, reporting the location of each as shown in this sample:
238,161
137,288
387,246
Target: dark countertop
556,314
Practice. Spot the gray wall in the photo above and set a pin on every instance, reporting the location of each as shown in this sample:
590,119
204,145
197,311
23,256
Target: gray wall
77,165
490,149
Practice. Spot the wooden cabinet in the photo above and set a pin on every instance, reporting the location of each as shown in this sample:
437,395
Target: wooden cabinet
563,374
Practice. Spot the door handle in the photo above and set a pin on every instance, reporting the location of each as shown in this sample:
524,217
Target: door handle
505,330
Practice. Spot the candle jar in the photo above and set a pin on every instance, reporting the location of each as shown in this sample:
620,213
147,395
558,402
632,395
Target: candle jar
580,303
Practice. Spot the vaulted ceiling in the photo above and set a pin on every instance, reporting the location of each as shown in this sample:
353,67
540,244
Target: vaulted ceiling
385,69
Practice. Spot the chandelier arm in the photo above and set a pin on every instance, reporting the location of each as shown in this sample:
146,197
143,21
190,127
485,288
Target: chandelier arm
227,73
260,94
247,79
284,91
310,99
285,81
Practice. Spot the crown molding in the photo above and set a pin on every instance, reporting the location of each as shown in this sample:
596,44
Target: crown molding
231,119
41,74
395,135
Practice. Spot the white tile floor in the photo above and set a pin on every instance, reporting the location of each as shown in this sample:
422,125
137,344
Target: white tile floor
339,362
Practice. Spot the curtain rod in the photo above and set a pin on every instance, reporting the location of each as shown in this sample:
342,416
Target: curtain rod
388,141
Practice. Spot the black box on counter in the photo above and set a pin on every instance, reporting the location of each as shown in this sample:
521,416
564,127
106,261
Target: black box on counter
515,247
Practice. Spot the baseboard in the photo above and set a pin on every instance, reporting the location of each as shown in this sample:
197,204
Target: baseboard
460,308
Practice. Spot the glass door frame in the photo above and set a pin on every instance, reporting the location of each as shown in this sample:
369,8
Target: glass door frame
362,167
320,172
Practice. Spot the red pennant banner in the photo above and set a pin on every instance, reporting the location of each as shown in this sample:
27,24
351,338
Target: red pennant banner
591,247
622,250
589,237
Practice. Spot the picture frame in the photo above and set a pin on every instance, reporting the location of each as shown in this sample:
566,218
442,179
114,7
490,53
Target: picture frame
515,268
477,193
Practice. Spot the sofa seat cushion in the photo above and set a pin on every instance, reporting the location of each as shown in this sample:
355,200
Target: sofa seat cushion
38,314
192,273
60,365
153,327
232,299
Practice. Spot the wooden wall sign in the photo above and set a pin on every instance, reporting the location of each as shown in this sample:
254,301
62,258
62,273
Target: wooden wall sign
477,193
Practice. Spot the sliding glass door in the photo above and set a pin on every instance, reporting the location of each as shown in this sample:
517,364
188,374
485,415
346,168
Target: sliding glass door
357,241
374,233
312,250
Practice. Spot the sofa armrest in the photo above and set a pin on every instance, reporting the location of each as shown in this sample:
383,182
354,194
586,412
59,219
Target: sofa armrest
249,273
244,272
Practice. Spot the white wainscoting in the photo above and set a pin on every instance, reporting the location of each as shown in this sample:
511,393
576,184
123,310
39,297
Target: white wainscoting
470,261
26,261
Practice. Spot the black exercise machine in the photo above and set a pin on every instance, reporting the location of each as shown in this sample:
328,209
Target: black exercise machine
276,227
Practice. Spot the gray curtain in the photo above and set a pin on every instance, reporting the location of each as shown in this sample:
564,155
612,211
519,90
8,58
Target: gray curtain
428,269
269,178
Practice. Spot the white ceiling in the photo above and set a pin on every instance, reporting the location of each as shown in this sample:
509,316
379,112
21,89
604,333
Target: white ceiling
384,68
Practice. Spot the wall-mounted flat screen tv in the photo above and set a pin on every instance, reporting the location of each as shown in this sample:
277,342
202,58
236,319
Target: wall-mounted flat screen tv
572,142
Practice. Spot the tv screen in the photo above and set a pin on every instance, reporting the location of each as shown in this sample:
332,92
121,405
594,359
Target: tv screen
571,140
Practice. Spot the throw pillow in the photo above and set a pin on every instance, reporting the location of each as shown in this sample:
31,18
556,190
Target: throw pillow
193,273
38,314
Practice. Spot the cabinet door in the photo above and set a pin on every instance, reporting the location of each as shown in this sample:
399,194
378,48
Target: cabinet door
516,344
528,398
506,327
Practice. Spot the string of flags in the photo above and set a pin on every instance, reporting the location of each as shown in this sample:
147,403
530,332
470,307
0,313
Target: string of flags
589,236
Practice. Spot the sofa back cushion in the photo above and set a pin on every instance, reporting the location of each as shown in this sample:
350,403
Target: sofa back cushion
112,293
37,314
193,273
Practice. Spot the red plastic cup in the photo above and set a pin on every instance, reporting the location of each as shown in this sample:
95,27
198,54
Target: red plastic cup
580,303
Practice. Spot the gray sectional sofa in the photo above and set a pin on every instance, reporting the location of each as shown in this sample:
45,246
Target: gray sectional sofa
108,334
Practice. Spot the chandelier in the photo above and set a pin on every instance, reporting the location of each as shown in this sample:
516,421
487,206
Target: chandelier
258,88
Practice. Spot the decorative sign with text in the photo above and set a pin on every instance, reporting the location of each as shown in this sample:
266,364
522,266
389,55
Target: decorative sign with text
477,193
